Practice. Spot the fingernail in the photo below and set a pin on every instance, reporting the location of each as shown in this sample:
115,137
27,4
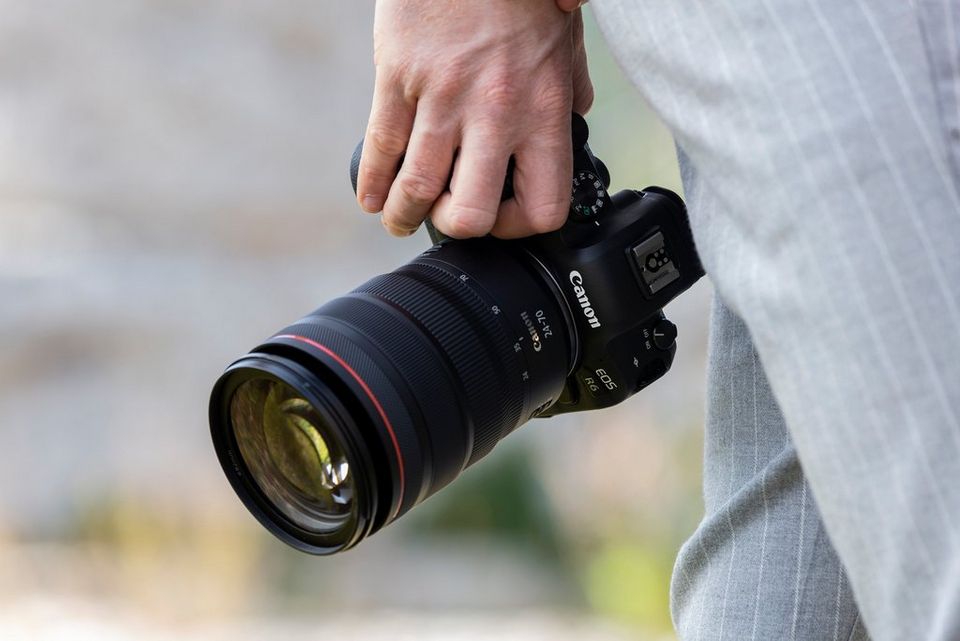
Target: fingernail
372,204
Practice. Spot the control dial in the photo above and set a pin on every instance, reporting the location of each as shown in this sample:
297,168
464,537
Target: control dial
589,196
664,334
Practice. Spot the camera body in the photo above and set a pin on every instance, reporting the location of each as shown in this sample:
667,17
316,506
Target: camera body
616,262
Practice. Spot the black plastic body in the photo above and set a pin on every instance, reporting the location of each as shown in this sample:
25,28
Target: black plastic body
618,321
621,352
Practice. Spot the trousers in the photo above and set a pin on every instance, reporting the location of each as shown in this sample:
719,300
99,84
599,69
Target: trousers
819,144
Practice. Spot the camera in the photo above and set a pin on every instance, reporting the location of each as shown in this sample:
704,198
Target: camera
344,420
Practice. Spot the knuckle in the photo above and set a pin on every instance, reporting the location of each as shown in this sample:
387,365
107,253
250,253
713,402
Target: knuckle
446,94
379,176
387,140
435,138
501,93
421,186
400,76
392,66
467,222
447,84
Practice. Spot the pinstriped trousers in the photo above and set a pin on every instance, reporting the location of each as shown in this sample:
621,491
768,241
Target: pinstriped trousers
820,150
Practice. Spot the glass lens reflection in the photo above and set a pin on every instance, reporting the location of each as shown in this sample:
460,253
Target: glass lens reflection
290,451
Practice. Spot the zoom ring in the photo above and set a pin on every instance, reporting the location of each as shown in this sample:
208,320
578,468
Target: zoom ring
476,344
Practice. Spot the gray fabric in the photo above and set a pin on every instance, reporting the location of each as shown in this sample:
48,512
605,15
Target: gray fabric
760,566
821,158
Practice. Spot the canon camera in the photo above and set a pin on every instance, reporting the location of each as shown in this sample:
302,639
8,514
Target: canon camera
344,420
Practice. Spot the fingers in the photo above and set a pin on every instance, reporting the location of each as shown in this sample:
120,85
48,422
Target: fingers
471,208
423,176
388,131
542,187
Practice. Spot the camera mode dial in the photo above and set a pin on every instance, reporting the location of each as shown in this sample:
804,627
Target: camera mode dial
589,196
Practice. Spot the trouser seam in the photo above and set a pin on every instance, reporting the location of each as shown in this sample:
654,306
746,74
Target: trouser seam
853,628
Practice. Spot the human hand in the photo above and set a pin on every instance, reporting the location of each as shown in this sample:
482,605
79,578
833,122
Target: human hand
466,85
570,5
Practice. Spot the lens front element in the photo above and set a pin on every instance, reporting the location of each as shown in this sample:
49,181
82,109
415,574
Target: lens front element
292,455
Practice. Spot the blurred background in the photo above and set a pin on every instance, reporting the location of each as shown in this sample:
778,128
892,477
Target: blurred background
173,188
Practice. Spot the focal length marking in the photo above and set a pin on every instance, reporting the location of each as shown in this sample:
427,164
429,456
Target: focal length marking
581,293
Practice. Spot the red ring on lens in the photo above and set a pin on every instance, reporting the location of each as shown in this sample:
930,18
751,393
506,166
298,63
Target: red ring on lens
373,399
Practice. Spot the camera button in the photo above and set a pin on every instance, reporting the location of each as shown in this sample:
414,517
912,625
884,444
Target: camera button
664,334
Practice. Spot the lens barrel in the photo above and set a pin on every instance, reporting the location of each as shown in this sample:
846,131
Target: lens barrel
409,379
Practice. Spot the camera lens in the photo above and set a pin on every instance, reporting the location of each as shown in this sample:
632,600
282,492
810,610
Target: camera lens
288,449
343,421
